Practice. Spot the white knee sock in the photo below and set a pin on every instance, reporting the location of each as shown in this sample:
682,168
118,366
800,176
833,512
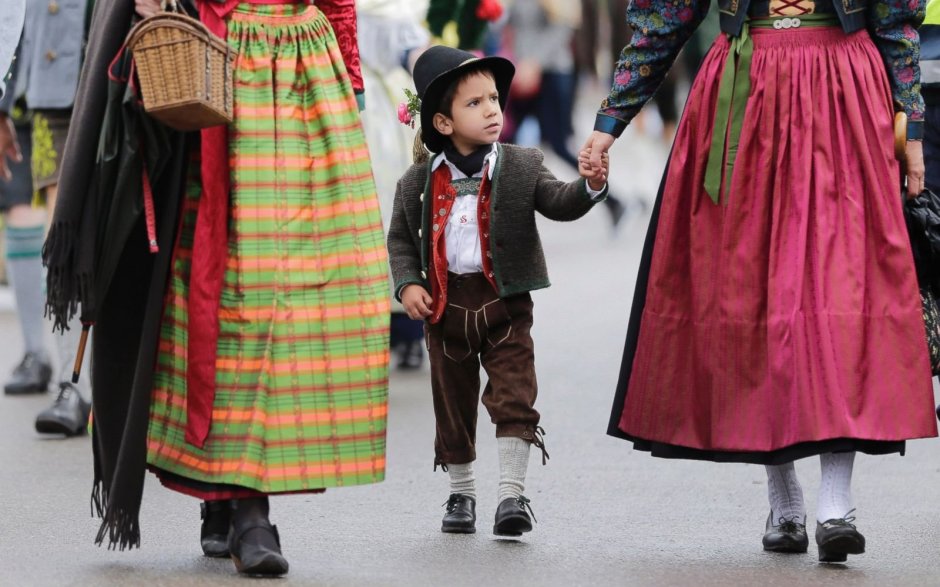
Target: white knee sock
461,479
785,493
513,463
835,486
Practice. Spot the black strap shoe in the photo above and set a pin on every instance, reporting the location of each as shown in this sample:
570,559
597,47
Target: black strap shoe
461,516
32,375
837,538
216,518
786,535
67,415
512,519
256,549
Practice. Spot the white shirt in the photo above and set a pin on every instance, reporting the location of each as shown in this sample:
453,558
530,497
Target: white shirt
462,233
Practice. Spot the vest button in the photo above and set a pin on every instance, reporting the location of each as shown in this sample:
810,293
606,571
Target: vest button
419,233
53,7
51,55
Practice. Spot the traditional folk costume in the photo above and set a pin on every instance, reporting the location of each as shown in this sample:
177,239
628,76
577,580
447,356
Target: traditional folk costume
264,361
777,312
463,228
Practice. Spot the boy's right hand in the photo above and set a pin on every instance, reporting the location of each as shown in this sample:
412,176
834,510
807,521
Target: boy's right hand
417,301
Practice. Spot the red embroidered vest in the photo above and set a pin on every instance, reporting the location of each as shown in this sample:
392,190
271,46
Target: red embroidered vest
443,197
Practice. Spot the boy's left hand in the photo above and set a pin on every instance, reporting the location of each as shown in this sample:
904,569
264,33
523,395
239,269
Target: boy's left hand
596,178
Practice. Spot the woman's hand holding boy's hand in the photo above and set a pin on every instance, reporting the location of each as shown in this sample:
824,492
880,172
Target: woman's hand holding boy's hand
417,301
596,177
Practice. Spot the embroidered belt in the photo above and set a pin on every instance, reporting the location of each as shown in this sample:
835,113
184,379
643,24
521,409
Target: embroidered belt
733,90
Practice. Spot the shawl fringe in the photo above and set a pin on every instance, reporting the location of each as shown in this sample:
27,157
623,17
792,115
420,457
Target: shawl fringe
68,286
122,528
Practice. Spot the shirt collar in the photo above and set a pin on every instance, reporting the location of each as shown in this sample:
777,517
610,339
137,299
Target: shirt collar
455,173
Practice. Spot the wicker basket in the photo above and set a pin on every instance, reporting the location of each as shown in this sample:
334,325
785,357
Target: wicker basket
185,71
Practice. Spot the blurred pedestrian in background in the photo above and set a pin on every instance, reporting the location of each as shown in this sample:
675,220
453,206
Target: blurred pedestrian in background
541,43
50,59
391,37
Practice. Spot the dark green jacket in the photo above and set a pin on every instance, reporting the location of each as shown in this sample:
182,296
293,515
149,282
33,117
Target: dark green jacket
522,186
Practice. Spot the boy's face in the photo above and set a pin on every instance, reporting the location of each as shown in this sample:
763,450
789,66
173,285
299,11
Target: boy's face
476,118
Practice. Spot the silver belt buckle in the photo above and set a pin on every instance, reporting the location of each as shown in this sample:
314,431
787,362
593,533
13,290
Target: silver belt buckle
787,23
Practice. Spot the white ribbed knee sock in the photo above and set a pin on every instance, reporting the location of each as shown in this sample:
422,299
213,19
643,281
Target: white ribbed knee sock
462,480
785,493
835,486
513,463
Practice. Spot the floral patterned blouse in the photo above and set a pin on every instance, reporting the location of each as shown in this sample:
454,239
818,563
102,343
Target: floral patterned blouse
662,27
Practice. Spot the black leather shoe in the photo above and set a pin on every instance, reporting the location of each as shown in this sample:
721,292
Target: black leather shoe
213,535
461,516
786,535
256,549
837,538
512,519
67,415
32,375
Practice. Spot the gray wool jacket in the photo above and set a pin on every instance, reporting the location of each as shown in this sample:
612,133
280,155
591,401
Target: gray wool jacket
521,187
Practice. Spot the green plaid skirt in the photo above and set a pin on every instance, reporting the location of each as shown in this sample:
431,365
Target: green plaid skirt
302,360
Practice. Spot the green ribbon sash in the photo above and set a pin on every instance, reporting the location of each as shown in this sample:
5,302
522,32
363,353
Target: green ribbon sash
733,91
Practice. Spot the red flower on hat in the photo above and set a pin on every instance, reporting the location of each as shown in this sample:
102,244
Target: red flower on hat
489,10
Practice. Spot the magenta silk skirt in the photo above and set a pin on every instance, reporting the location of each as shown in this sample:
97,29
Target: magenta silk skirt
785,321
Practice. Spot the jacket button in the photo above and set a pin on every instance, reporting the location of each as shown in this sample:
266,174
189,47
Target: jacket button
421,197
443,212
435,227
419,233
50,55
424,275
53,7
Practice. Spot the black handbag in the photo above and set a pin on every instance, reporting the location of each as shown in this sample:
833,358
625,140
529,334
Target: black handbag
922,215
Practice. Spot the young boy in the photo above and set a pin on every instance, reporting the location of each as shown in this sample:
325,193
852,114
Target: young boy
465,253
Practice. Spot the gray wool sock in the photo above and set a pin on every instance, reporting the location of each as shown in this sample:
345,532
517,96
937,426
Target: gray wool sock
785,493
462,480
513,463
24,264
835,486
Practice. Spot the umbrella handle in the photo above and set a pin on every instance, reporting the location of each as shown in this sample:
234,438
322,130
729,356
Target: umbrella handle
900,140
80,354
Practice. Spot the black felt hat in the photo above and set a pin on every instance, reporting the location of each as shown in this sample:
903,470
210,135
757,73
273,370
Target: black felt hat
437,68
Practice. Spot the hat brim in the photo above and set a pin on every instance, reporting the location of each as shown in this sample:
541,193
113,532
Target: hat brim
503,70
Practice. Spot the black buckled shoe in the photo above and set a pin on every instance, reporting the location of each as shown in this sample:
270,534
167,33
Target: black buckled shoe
216,518
32,375
461,516
255,548
512,519
837,538
786,535
67,415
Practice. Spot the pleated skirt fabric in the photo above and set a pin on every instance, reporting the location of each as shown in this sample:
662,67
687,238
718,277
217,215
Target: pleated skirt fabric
302,362
786,320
